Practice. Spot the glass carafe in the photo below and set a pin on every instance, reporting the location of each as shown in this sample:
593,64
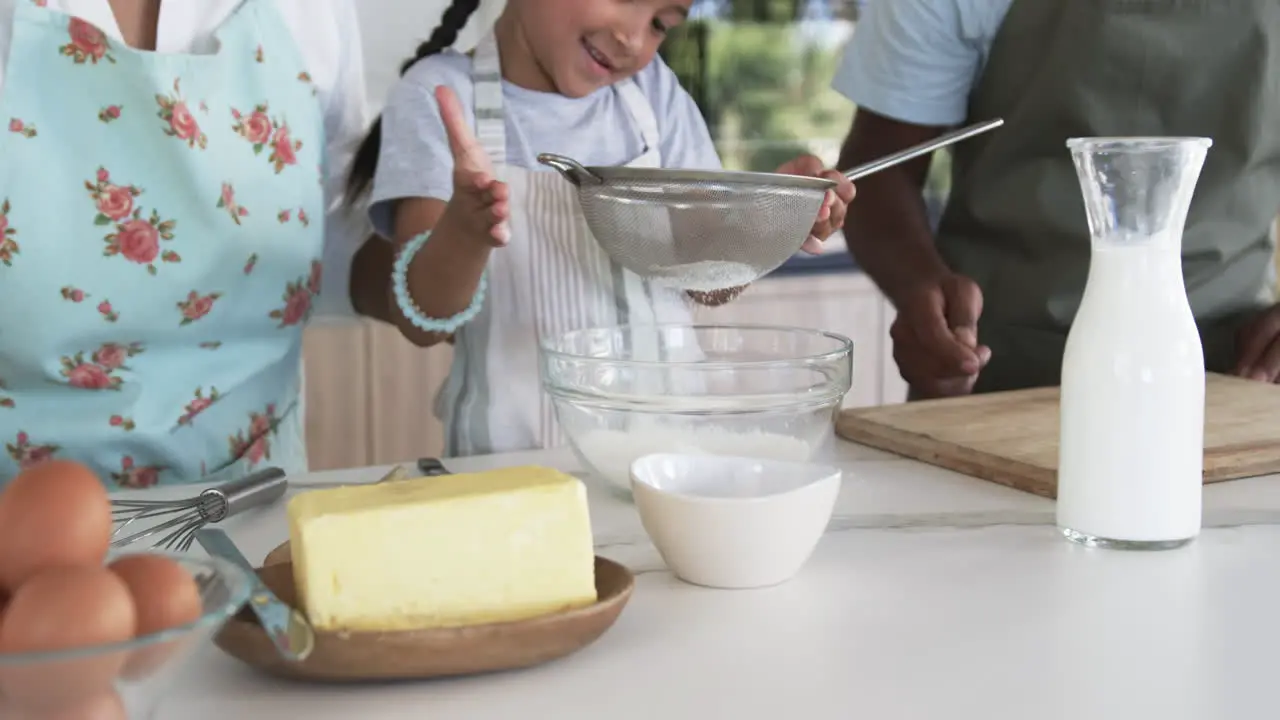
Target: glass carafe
1131,452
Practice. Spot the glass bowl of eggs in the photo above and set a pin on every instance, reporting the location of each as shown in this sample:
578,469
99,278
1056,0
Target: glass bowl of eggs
87,633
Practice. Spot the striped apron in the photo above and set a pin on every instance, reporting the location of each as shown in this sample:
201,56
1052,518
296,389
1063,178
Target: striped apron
552,278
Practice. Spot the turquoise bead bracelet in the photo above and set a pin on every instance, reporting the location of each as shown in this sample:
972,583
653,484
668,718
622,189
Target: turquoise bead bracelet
420,320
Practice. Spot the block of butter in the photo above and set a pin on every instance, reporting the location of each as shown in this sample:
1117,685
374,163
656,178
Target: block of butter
445,551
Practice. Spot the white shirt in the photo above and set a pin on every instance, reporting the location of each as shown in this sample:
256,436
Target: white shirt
327,34
916,61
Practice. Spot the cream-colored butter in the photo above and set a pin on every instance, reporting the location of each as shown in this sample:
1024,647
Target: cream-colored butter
443,551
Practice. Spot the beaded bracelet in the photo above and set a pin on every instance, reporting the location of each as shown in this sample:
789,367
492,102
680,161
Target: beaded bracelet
420,320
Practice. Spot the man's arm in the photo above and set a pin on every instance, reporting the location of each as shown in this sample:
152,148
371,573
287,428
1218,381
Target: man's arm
909,69
887,228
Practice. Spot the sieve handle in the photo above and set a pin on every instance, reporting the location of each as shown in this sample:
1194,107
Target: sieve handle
916,151
571,169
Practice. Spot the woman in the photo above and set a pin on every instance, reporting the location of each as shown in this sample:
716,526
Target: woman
169,178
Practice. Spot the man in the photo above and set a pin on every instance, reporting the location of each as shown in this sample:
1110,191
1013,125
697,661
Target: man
986,303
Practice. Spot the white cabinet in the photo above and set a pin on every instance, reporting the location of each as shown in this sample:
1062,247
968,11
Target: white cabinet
370,393
844,303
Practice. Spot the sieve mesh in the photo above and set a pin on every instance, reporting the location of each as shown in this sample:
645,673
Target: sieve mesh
696,234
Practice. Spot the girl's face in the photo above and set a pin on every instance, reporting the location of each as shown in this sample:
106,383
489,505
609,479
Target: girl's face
581,46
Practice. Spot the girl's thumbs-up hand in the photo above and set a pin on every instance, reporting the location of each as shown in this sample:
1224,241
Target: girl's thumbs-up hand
479,203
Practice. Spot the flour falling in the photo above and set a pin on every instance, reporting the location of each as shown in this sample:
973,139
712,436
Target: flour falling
705,275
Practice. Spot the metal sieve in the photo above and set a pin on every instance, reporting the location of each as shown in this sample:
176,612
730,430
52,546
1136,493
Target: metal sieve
710,230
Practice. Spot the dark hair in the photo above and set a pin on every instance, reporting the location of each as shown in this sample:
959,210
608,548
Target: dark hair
365,163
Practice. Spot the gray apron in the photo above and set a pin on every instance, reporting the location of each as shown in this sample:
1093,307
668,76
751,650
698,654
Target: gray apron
1015,220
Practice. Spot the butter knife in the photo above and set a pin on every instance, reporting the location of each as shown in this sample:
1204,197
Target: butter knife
287,628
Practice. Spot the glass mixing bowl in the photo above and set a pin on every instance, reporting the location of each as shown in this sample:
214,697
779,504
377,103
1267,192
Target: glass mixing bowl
122,681
623,392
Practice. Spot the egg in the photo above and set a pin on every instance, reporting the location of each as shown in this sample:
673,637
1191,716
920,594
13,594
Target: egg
104,706
60,609
56,513
164,596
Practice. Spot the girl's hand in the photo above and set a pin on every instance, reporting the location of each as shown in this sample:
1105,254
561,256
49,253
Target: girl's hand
479,204
834,206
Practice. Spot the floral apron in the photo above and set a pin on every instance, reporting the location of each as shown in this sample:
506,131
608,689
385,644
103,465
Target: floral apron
157,255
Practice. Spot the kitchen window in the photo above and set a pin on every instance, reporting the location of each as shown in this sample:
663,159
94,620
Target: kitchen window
761,72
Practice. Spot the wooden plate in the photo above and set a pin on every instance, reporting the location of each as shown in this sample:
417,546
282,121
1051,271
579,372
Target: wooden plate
365,656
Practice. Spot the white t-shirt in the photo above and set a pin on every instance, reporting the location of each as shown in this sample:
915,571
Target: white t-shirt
328,36
597,129
916,61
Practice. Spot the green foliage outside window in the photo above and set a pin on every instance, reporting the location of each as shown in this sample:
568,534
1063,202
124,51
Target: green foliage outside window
764,86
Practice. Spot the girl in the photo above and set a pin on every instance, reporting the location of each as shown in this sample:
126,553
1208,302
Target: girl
165,175
574,77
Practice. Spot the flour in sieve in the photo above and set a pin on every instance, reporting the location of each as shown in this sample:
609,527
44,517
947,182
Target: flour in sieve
611,452
705,275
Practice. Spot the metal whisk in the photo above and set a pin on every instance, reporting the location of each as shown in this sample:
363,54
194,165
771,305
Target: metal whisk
190,514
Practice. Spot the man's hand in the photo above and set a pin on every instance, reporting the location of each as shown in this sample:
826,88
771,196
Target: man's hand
935,337
1258,347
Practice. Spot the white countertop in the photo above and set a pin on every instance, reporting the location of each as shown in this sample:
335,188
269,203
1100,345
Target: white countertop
934,597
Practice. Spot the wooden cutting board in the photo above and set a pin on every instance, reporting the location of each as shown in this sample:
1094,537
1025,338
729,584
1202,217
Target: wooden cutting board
1011,438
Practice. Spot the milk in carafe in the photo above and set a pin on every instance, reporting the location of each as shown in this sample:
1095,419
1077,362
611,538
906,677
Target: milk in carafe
1132,411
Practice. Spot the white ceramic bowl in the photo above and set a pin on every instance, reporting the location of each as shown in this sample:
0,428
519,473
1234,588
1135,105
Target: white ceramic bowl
733,522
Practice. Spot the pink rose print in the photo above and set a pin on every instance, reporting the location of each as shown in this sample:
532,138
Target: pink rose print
88,43
180,122
110,113
199,404
259,55
97,373
211,345
261,130
40,3
8,246
114,202
256,127
196,306
136,476
88,376
112,356
227,201
74,294
122,422
297,304
19,127
302,218
28,454
138,240
107,312
305,77
284,149
5,400
255,446
284,215
250,263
